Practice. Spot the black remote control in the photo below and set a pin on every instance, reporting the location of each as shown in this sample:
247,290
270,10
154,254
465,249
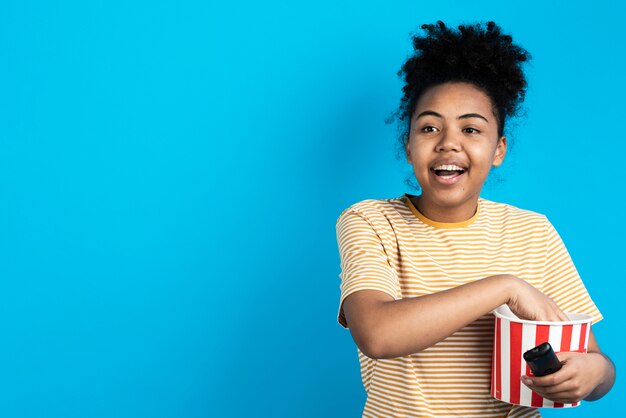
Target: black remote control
542,360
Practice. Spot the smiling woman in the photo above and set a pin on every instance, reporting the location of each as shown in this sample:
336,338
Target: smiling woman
451,144
421,274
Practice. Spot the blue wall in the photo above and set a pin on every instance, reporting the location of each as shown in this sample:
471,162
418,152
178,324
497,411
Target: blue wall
171,173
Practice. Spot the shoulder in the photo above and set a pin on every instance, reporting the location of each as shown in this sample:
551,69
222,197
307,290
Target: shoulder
513,214
376,210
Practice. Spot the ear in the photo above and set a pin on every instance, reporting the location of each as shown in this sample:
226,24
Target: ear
408,148
498,157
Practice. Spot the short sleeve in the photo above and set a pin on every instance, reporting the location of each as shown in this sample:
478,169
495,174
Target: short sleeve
364,262
562,282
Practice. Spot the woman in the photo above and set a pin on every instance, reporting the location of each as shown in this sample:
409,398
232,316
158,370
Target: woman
421,274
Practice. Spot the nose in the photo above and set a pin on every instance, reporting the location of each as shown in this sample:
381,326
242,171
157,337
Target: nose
449,142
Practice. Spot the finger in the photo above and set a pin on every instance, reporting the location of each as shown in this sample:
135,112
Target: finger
557,388
565,373
567,395
561,315
553,379
565,356
553,315
564,387
557,314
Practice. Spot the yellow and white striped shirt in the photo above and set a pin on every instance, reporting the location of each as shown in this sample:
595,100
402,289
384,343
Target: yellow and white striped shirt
388,245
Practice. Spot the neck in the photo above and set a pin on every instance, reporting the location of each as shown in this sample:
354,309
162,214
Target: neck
446,214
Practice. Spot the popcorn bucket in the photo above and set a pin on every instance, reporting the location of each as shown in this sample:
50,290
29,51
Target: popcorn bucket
514,336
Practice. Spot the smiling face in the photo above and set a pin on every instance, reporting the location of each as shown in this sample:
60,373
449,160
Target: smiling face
453,143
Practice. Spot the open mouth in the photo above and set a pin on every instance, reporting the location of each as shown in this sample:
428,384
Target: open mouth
448,174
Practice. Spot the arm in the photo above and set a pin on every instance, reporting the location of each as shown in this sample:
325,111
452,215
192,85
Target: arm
384,328
587,376
583,376
606,370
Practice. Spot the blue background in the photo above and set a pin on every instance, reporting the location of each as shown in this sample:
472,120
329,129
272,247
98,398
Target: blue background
171,174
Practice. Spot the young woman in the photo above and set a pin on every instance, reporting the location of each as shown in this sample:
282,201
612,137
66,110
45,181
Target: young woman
421,274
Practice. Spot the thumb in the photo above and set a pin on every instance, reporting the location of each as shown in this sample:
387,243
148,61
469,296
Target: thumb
564,356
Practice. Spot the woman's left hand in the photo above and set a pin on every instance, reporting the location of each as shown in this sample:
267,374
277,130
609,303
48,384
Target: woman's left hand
580,374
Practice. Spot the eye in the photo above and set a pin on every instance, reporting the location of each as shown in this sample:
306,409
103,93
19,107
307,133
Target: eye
471,131
428,129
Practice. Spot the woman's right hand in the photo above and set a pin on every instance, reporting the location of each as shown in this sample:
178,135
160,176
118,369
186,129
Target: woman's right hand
529,303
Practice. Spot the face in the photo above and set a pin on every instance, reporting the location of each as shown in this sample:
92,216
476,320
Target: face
453,143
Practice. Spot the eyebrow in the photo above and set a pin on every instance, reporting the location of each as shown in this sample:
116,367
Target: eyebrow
465,116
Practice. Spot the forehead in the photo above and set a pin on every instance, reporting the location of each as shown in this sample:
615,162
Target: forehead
454,98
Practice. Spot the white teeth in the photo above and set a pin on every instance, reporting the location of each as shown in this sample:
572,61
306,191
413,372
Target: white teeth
449,167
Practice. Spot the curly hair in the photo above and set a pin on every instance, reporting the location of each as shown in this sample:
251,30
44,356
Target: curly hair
484,57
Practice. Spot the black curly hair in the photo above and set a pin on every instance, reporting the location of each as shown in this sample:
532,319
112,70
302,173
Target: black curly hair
482,56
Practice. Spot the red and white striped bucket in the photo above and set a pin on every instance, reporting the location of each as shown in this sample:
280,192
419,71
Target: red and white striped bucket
514,336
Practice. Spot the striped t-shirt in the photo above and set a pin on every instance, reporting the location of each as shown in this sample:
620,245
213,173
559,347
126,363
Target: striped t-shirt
388,245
